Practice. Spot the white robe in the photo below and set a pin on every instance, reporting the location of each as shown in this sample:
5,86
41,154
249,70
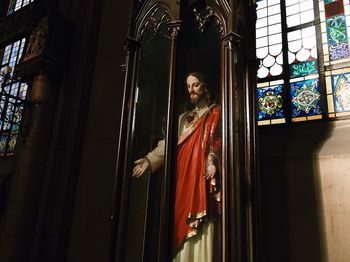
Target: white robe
198,248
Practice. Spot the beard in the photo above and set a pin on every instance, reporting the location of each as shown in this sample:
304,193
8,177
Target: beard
195,97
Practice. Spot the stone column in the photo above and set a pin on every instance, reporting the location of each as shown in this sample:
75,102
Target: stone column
41,67
25,196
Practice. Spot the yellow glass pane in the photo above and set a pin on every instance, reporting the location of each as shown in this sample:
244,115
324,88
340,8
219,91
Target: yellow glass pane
298,119
296,79
262,84
343,114
276,82
341,71
331,115
314,117
330,103
329,85
340,61
278,121
264,123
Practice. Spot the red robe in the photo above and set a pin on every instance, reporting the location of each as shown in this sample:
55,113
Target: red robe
196,198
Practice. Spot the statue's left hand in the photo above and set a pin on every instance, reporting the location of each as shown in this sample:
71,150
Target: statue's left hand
211,171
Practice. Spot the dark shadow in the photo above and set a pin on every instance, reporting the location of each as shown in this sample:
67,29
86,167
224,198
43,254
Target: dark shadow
290,207
197,51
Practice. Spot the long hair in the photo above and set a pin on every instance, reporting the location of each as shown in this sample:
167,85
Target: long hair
207,95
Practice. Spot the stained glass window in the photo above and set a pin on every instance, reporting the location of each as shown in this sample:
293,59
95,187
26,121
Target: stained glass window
312,58
270,102
306,99
269,39
12,95
16,5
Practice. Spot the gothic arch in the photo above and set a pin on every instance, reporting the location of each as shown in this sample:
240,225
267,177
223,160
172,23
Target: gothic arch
212,12
152,16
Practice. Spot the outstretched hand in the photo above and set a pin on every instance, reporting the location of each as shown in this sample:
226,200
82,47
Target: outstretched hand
141,166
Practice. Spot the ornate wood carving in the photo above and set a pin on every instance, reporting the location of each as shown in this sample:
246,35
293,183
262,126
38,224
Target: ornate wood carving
174,28
47,47
213,12
232,40
37,40
154,18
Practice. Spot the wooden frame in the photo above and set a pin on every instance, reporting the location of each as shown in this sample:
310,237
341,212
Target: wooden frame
240,181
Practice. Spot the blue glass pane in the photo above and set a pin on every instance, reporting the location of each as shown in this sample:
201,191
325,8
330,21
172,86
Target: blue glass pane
15,128
341,92
305,98
9,112
3,141
270,102
303,69
17,117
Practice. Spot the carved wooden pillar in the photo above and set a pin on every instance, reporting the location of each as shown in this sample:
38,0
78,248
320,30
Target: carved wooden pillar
119,208
26,204
231,219
252,179
165,232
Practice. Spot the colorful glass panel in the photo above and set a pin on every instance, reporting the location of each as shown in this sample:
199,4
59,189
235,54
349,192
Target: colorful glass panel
3,143
12,94
22,91
304,42
12,144
337,38
341,92
303,68
305,98
302,52
336,29
270,102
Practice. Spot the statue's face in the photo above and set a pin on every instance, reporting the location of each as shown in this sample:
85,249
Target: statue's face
195,88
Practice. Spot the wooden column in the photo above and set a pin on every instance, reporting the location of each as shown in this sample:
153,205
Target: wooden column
233,162
123,168
164,245
31,156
